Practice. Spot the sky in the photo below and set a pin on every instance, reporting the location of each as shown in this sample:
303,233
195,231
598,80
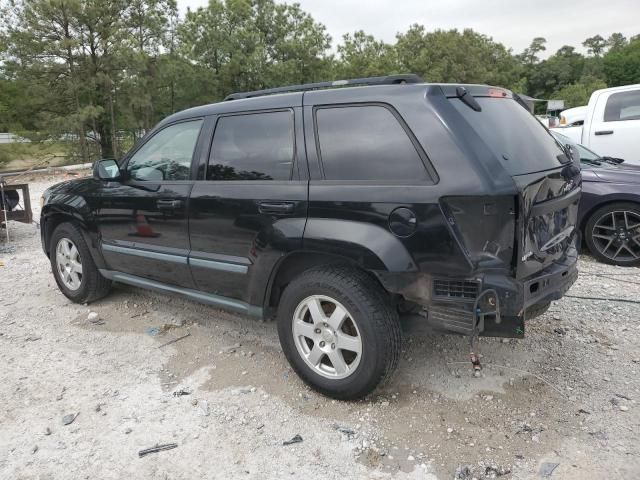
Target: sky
511,22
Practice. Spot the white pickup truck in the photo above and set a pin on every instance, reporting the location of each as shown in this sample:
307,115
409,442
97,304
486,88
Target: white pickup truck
611,123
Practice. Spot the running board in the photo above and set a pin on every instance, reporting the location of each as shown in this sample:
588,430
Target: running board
202,297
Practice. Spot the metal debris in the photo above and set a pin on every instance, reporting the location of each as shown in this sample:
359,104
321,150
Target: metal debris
69,419
547,468
174,340
181,392
157,448
296,439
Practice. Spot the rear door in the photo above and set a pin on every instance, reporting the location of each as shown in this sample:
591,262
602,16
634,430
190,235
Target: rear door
250,207
615,127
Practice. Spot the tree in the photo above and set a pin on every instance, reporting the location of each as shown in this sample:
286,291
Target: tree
361,55
254,44
616,40
530,54
454,56
595,45
562,68
622,65
578,93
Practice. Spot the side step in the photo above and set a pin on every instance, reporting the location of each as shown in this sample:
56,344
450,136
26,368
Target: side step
202,297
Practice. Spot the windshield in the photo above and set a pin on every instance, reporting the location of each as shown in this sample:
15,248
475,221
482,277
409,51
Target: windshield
512,134
586,154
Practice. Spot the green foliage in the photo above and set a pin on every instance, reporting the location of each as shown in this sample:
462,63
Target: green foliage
454,56
622,65
595,45
361,55
103,72
578,94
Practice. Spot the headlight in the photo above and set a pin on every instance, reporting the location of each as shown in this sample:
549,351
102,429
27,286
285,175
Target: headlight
41,201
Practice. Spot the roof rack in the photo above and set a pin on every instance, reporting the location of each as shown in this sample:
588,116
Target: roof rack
386,80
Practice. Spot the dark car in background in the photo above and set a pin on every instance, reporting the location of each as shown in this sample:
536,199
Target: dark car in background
609,214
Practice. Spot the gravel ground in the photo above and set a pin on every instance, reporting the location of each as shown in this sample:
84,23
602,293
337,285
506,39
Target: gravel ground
566,396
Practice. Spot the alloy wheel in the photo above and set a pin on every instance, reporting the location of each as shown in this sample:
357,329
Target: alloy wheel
616,235
69,264
327,337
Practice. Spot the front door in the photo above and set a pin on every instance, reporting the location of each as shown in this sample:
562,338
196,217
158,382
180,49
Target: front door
251,207
142,220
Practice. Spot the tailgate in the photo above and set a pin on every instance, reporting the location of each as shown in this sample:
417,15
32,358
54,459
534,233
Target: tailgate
548,213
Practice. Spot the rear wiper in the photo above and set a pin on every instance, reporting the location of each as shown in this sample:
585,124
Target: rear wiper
468,99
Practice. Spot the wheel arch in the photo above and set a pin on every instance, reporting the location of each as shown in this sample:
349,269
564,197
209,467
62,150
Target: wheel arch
295,263
606,201
54,215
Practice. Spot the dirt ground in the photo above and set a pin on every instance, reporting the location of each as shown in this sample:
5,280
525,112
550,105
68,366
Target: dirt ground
562,403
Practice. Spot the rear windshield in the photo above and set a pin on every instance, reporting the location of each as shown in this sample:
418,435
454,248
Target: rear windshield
514,135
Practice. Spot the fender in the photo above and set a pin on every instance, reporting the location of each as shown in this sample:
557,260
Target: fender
63,206
370,246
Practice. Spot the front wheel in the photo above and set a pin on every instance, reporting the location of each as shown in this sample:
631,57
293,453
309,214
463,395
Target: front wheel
339,331
612,234
73,268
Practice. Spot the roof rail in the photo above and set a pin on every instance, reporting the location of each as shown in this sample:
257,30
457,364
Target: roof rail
386,80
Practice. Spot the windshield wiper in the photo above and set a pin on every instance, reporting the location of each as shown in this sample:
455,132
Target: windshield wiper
611,160
591,162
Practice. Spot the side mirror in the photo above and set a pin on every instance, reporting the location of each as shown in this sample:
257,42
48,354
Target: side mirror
106,169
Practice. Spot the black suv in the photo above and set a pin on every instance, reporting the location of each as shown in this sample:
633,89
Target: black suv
336,210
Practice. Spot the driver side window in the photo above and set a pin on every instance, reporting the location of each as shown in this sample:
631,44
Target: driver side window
167,156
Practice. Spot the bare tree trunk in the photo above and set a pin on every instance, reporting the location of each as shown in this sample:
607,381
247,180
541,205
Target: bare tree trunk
76,97
114,133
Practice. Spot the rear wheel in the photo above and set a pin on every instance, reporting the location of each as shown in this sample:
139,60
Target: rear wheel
612,234
73,268
339,331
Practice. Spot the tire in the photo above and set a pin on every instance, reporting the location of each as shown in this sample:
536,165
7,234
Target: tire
601,225
370,320
87,285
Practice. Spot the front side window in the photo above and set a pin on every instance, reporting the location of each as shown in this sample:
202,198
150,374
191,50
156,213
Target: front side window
366,143
167,155
623,106
257,146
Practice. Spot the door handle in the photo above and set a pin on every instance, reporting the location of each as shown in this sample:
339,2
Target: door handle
168,204
276,208
604,132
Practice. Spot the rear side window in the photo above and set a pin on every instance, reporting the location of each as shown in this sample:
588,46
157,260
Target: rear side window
514,136
366,143
623,106
257,146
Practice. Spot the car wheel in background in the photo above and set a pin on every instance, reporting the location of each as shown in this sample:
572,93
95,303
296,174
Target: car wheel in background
612,234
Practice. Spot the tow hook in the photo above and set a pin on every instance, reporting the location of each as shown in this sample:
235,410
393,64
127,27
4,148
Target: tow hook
475,362
486,304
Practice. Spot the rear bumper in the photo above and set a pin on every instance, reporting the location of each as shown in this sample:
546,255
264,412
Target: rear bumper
497,303
516,296
518,300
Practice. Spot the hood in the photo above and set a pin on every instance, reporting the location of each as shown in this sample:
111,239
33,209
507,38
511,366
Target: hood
614,175
76,185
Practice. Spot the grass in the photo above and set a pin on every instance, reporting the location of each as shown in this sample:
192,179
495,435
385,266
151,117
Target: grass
21,156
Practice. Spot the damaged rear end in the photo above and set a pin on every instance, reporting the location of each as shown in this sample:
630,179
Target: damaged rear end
519,238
